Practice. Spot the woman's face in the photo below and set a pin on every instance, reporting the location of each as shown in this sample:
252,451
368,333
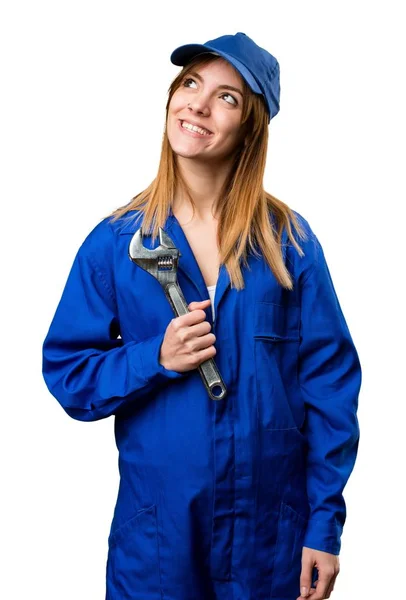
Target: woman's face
205,99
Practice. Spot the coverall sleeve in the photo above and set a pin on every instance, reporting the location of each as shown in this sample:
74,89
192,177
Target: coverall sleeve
86,366
330,380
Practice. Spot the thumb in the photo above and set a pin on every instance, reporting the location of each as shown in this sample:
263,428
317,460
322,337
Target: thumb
200,304
306,578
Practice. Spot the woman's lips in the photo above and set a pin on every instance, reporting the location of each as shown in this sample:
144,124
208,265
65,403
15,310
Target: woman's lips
193,133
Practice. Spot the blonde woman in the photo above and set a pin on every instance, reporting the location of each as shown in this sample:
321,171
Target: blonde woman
239,497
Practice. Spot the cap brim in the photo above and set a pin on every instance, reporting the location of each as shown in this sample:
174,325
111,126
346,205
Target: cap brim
183,54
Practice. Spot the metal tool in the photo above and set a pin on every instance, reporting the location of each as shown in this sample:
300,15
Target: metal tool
162,263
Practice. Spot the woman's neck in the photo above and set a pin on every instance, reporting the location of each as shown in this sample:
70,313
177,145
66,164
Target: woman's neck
204,183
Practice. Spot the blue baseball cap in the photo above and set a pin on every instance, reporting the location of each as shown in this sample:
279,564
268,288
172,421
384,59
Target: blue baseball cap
257,66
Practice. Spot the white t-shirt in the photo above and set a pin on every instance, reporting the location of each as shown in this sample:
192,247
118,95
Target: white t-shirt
212,290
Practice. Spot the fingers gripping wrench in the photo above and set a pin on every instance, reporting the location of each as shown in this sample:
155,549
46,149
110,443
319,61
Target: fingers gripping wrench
162,263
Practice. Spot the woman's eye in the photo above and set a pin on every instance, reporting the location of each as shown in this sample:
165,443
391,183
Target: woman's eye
186,80
230,96
234,101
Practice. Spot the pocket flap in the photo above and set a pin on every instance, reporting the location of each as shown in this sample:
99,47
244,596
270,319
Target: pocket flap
276,322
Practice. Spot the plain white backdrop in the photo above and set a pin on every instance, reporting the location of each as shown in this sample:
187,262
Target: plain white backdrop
83,93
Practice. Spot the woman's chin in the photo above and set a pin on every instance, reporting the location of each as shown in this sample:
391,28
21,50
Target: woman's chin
187,150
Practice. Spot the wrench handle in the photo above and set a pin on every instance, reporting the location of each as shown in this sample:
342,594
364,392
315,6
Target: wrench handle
208,369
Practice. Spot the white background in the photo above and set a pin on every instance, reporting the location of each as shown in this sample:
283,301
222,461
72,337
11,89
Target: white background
84,86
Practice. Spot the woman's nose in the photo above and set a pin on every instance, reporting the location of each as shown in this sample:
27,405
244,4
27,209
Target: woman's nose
200,105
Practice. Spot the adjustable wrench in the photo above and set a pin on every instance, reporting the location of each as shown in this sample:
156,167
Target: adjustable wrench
162,263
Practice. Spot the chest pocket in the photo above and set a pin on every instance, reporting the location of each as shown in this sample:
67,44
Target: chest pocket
276,345
276,322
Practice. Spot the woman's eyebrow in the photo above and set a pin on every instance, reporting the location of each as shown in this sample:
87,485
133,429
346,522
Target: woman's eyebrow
219,87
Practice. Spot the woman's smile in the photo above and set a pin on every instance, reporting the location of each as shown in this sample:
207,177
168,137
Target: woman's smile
193,133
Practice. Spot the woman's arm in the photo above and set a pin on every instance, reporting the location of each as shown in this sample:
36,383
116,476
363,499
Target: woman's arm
86,367
330,380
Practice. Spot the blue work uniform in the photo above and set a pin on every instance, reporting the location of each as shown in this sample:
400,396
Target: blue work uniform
216,498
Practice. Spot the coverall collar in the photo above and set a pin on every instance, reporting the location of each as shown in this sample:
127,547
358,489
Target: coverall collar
187,262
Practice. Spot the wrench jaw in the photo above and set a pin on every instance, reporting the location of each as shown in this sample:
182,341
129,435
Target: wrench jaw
161,262
165,241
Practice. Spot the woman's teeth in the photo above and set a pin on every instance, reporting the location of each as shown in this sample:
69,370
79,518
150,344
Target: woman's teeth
186,125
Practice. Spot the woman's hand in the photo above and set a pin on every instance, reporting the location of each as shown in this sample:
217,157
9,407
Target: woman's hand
328,566
188,341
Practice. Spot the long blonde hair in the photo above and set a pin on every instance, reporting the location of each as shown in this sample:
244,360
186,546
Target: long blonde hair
243,206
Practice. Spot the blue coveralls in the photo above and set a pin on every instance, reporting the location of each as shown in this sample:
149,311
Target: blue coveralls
216,498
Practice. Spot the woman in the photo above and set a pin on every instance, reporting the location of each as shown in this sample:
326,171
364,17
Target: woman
232,498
